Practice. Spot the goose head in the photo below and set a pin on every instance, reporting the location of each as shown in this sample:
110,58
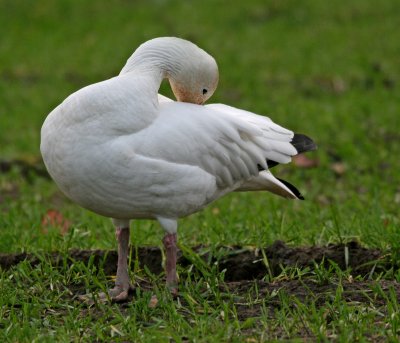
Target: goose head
192,72
196,79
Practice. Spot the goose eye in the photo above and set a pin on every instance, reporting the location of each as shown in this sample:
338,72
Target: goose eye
204,91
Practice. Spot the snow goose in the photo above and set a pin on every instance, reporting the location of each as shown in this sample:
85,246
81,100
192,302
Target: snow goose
121,150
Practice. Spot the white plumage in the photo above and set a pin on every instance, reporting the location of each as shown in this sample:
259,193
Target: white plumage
119,149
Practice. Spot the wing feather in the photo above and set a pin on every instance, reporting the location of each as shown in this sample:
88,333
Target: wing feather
228,143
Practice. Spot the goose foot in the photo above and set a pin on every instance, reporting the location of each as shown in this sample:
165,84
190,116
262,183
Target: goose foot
116,294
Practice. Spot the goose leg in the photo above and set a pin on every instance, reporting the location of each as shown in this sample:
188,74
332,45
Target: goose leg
170,263
122,282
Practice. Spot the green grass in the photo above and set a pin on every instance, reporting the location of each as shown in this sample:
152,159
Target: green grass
327,69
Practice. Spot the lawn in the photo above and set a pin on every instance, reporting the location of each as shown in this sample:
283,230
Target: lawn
327,69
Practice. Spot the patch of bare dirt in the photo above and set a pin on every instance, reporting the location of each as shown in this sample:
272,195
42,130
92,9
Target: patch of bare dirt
239,263
244,277
26,168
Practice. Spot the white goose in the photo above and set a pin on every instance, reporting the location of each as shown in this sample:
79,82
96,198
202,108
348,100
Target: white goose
123,151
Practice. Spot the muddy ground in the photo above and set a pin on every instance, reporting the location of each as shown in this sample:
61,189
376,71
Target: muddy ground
245,271
240,263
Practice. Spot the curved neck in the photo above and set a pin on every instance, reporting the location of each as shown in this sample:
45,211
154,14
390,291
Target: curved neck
163,57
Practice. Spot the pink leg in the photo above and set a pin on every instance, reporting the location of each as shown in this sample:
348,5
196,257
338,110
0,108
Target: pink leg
122,282
170,265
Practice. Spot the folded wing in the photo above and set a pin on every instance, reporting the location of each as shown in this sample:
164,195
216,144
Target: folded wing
230,144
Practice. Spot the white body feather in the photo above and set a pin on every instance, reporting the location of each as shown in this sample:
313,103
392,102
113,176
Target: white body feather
120,150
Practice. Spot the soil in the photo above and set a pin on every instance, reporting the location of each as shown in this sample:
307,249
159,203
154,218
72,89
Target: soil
240,263
25,168
245,271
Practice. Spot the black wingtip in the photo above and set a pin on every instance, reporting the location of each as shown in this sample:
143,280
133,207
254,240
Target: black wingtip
294,190
303,143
